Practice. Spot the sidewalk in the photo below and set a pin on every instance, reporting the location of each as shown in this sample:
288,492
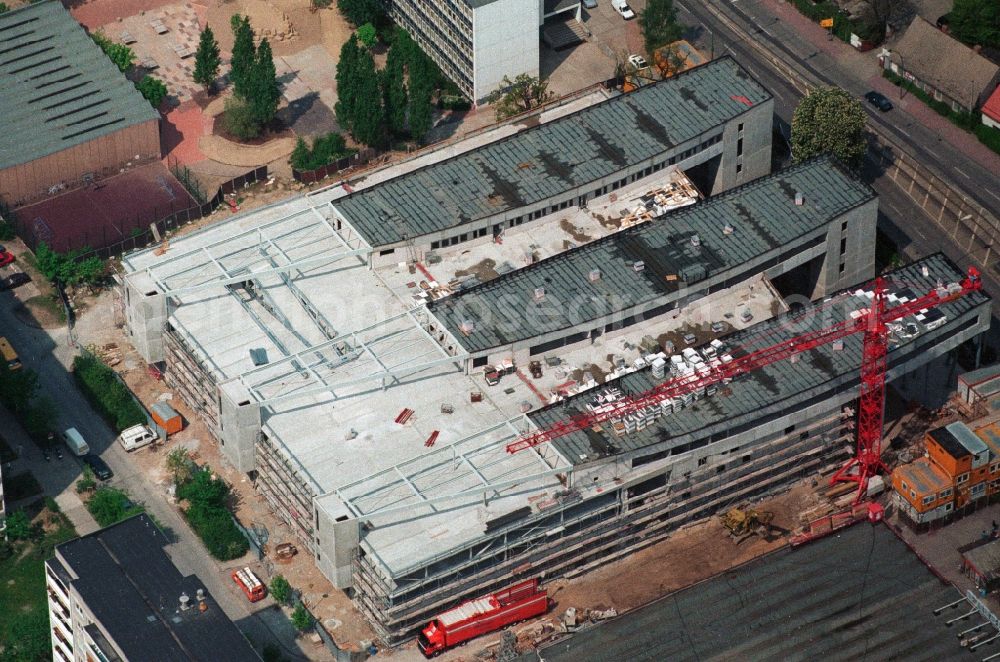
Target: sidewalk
783,21
57,477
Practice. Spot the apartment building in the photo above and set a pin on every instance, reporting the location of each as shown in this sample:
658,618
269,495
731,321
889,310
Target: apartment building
115,595
474,42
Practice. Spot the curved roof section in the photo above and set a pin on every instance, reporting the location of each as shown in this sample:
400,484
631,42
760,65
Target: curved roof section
59,88
767,391
762,214
546,160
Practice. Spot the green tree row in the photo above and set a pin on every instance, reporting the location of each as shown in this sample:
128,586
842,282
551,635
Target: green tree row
256,93
397,101
106,393
976,22
19,394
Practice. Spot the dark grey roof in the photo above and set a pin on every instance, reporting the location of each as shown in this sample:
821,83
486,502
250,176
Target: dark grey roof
763,215
133,590
858,595
546,160
765,392
59,89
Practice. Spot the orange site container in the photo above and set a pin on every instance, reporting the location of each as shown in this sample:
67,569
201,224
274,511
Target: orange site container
166,417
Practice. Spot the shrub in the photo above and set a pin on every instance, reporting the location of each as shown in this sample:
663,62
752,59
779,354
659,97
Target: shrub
280,589
109,505
6,230
240,119
18,526
301,618
180,465
68,268
87,483
153,90
107,393
203,490
217,531
120,54
989,136
325,150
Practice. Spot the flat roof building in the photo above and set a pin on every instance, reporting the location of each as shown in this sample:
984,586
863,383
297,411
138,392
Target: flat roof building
69,114
116,595
715,114
364,417
861,594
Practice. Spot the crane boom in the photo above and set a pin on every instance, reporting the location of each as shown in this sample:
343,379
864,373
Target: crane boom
872,323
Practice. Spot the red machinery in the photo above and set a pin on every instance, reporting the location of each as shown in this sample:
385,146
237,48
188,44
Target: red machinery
481,615
871,322
250,583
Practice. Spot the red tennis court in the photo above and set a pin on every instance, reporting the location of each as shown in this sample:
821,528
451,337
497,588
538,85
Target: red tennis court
107,212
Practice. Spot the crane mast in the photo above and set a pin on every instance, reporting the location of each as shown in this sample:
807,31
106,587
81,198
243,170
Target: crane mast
872,324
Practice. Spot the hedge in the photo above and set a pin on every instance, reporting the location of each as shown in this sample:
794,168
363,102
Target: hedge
106,393
961,119
988,136
217,530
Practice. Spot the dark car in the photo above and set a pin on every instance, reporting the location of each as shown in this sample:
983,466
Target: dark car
98,466
14,280
879,101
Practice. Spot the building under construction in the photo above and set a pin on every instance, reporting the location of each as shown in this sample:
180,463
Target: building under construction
366,356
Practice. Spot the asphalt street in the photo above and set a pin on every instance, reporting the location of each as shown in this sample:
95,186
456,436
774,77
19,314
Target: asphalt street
49,354
900,218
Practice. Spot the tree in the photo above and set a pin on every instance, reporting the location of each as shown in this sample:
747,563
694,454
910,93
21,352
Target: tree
17,387
368,123
180,465
207,60
829,120
19,526
659,24
87,483
976,22
68,268
4,8
120,54
359,12
519,95
299,158
244,54
281,590
367,35
347,82
301,618
394,92
263,93
153,90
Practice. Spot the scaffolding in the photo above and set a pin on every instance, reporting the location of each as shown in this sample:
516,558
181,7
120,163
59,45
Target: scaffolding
578,532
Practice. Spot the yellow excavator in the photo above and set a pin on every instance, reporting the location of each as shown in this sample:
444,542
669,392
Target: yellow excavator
745,522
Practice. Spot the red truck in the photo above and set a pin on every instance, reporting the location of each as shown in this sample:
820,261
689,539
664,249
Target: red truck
481,615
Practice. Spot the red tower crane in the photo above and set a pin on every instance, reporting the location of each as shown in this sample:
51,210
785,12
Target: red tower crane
872,323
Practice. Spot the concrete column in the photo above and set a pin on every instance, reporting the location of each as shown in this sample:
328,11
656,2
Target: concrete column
145,315
239,425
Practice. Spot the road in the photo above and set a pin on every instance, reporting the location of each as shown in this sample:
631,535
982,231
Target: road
49,354
900,218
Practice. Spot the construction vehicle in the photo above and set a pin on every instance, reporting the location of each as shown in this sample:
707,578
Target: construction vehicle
250,584
481,615
871,322
745,522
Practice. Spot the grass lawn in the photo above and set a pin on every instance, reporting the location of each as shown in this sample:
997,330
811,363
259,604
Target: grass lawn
22,583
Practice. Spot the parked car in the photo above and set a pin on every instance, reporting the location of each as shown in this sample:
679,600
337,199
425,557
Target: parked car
719,327
98,466
621,6
135,437
76,442
690,339
878,101
637,61
14,280
590,4
6,257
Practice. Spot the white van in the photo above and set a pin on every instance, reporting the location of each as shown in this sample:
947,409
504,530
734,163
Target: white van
135,437
75,442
